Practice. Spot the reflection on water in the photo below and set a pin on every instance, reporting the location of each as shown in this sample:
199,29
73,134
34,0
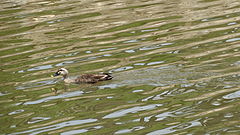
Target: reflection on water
175,66
173,129
131,110
56,126
65,95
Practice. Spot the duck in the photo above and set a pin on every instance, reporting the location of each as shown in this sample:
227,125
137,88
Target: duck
84,78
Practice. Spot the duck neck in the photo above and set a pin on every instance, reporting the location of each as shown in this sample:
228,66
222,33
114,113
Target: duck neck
65,77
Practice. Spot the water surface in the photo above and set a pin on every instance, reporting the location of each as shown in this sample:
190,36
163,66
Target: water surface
175,66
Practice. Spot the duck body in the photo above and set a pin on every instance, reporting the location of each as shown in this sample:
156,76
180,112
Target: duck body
93,78
84,78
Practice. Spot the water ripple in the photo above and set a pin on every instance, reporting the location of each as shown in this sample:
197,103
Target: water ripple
174,72
131,110
65,95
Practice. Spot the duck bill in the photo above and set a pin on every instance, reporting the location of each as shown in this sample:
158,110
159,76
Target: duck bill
56,74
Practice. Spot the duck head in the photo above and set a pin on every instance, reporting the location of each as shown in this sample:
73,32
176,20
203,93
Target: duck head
61,71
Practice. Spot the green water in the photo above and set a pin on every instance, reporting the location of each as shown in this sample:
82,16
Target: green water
175,66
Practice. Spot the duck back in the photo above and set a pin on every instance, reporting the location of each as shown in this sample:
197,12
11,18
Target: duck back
93,78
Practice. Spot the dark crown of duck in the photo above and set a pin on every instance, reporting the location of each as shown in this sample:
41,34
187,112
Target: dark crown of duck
85,78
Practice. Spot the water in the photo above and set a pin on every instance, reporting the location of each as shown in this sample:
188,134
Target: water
175,66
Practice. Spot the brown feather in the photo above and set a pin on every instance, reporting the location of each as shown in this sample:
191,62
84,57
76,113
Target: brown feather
92,78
